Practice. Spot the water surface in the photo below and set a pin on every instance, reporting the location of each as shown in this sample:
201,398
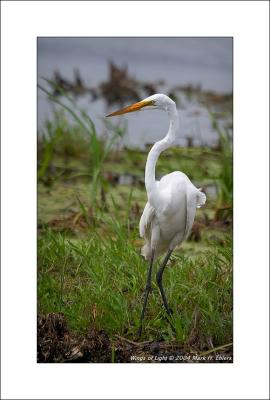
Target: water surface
178,61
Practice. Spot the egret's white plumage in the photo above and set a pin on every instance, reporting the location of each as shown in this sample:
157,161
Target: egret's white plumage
169,214
175,216
170,211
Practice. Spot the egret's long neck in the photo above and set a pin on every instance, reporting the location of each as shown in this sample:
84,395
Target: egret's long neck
165,143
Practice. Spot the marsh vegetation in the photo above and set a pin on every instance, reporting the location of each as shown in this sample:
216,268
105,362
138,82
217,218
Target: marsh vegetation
91,275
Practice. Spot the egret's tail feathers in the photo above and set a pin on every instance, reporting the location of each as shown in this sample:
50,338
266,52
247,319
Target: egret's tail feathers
146,251
201,198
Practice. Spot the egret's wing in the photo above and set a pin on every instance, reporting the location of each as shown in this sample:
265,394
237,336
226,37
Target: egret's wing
190,212
194,199
146,220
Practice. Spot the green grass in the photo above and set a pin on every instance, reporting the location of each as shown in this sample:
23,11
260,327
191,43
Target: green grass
89,262
100,280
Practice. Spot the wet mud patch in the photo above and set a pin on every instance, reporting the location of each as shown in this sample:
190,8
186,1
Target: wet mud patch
57,344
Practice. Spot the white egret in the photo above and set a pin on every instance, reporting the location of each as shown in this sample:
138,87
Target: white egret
169,214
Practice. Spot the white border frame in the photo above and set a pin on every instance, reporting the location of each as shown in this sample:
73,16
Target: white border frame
247,22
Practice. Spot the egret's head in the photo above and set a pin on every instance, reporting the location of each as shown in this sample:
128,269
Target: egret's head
154,102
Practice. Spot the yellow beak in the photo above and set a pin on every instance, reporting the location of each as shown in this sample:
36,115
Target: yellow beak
132,108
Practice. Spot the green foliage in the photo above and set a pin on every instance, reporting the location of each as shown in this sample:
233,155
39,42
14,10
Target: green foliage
89,263
100,281
82,133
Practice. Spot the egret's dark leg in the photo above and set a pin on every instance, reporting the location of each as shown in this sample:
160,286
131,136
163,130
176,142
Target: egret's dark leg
159,281
147,291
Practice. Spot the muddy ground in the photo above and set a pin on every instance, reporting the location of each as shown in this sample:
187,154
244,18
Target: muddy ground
57,344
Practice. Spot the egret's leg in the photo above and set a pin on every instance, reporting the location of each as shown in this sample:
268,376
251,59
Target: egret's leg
147,291
159,281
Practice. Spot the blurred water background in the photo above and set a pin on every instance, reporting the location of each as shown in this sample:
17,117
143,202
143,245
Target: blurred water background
196,71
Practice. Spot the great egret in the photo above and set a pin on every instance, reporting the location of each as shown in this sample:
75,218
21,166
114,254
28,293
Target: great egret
169,214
